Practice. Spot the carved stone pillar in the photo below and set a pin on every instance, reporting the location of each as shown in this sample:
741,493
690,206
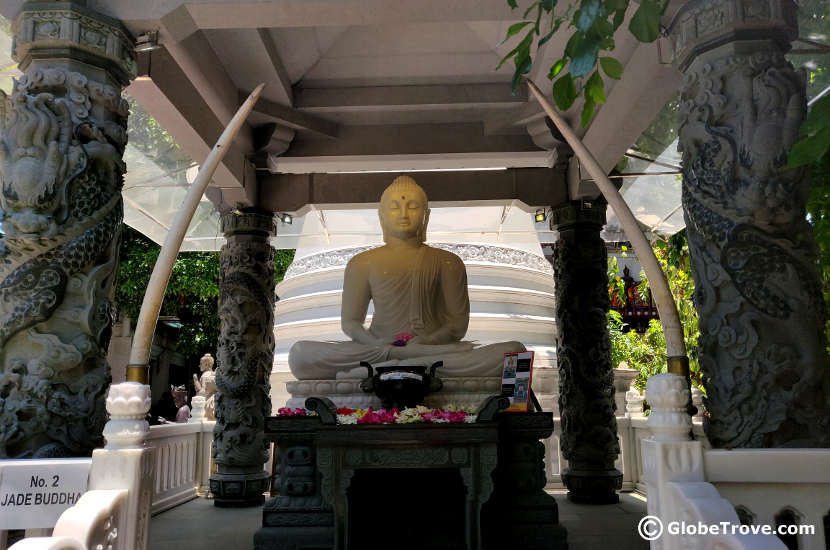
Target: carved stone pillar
244,357
586,375
762,344
62,136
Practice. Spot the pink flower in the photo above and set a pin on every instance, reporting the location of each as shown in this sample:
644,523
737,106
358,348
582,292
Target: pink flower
457,416
287,411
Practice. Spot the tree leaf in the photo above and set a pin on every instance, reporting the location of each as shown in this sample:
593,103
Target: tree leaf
587,110
584,56
594,89
645,24
548,5
564,92
619,17
612,67
587,13
810,149
614,5
514,30
521,69
529,9
573,43
556,24
819,115
545,38
524,45
512,4
618,8
557,67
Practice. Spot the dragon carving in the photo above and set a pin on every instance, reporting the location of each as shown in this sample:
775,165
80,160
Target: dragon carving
245,351
60,207
754,261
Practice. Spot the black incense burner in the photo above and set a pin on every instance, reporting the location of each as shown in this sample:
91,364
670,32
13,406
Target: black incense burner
401,386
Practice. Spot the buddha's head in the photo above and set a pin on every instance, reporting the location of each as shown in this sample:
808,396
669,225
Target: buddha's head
404,210
179,395
206,362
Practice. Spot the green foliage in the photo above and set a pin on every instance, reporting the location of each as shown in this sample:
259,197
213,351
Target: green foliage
647,352
644,352
812,151
192,293
813,147
593,24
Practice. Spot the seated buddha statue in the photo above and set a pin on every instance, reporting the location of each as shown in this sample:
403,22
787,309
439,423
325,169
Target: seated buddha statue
420,298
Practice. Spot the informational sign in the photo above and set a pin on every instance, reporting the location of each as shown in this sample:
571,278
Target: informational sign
515,380
34,493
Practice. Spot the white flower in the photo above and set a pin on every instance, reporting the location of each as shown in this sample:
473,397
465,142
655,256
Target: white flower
347,419
408,416
469,419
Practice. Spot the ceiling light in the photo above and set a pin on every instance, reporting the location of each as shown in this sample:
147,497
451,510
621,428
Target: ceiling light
147,42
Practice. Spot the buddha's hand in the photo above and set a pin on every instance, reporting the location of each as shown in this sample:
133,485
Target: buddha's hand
403,339
463,346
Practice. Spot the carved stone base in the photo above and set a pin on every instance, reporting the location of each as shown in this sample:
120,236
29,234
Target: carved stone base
238,490
296,537
588,486
520,514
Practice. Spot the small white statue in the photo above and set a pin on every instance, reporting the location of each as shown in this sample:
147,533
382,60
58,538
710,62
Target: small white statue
206,386
421,304
179,394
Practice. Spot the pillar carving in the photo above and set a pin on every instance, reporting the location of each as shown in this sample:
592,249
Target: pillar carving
586,375
62,137
762,344
244,357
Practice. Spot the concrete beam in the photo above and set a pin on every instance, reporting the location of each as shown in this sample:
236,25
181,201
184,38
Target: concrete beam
293,118
284,89
291,192
410,139
254,14
248,57
165,91
322,100
215,14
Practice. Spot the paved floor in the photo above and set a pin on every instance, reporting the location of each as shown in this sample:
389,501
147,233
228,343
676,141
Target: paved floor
198,524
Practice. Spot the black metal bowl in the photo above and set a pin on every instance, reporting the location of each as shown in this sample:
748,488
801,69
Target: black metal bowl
401,386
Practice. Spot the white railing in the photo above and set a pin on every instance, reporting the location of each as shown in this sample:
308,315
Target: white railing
632,428
768,485
183,461
114,512
678,493
141,471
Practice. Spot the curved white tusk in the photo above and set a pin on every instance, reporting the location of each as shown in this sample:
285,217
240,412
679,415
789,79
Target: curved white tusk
150,307
663,299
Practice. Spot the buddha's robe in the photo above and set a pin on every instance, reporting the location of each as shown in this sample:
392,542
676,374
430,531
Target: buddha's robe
424,294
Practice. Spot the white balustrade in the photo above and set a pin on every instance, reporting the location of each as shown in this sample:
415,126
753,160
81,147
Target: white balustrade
141,470
763,483
176,447
114,513
673,468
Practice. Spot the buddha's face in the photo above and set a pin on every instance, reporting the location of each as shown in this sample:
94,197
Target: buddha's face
403,212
